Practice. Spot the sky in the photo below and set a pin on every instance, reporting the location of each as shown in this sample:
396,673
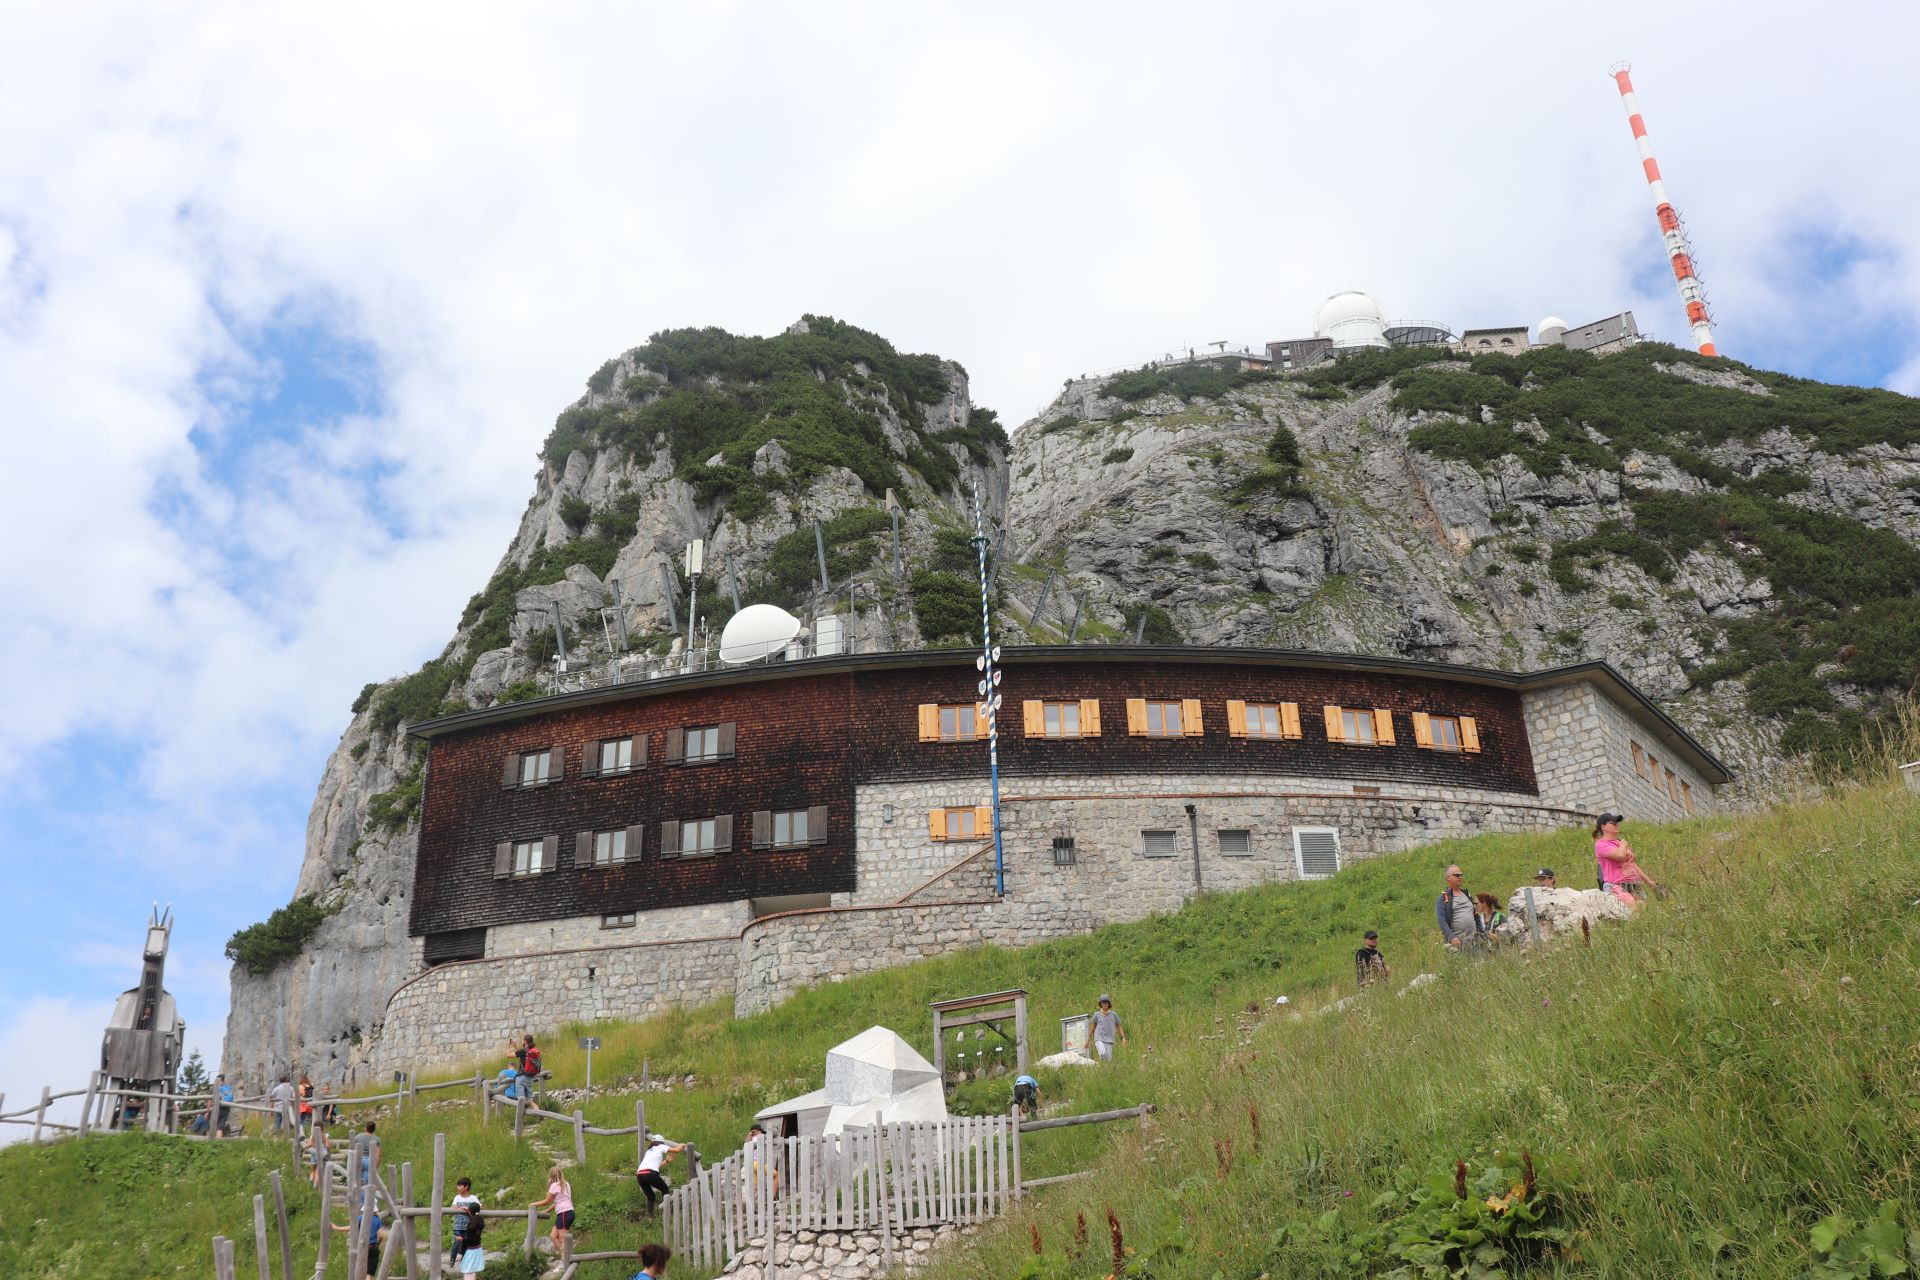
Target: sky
290,295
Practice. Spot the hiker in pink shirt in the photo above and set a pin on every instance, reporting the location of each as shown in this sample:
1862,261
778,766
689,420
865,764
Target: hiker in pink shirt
1620,875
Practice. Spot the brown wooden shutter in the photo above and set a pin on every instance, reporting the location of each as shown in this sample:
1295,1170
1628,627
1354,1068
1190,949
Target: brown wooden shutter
1289,719
936,824
983,820
1469,734
676,746
1383,726
1136,716
1236,718
556,763
1191,725
1336,731
583,848
929,722
670,839
503,860
510,775
1422,729
590,759
723,833
549,853
1089,717
639,749
980,713
1035,715
726,740
636,841
762,828
816,824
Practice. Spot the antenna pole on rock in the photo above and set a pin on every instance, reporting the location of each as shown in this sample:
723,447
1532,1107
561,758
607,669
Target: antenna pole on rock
989,691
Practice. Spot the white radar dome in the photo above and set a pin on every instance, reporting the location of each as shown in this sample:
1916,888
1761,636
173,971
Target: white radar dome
1351,319
1551,330
757,632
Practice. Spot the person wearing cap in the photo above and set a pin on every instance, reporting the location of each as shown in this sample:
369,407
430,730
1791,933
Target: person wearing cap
1544,879
1106,1028
1459,924
1620,875
1369,966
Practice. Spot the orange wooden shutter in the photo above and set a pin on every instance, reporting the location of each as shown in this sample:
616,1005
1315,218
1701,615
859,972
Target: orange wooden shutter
1089,717
1469,734
1383,726
1136,716
1035,713
1236,718
929,722
937,824
1190,722
1422,730
979,721
1289,719
1336,732
983,820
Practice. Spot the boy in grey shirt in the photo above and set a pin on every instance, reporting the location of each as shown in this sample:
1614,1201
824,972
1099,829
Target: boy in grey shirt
1107,1029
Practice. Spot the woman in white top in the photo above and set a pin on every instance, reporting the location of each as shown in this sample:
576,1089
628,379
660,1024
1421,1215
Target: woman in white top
649,1176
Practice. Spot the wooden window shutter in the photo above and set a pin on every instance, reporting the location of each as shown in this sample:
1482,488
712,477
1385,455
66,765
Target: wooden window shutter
1089,717
1191,726
983,821
556,764
1035,715
669,839
639,749
1383,726
1137,716
816,824
636,840
726,740
937,824
979,722
1422,729
676,746
1236,718
510,775
503,860
1336,731
1469,734
929,722
583,849
590,760
762,828
1289,719
723,833
549,853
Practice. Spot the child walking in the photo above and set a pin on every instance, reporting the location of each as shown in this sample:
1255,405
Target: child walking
560,1197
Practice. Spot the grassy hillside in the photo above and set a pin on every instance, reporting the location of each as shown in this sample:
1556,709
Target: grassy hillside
1697,1090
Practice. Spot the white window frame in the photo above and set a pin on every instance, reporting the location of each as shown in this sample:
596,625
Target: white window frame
527,856
795,822
705,837
1245,839
1167,712
1260,711
617,920
1054,717
1453,727
1147,842
965,723
958,818
621,750
536,767
702,743
1299,859
1356,727
610,847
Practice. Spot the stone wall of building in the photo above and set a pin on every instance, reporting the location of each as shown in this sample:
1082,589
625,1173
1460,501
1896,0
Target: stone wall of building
669,924
458,1013
1591,753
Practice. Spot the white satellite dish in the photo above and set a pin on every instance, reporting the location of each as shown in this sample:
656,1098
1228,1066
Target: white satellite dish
757,632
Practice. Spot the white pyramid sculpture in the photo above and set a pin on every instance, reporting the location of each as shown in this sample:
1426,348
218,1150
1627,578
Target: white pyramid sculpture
874,1078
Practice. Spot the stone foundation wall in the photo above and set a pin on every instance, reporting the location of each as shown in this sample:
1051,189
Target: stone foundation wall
1584,757
671,924
841,1255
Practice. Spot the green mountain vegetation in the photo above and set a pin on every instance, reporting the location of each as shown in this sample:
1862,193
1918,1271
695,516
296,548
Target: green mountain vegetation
1726,1086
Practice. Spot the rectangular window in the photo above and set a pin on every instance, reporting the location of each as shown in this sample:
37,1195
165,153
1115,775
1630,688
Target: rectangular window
700,744
952,722
1273,720
1359,726
528,857
455,944
623,920
790,828
697,837
1163,719
1639,759
1075,719
1159,844
1236,844
1653,770
536,767
1064,854
616,755
1673,787
1062,720
609,848
1446,733
1686,797
1316,852
703,743
960,822
957,724
1356,726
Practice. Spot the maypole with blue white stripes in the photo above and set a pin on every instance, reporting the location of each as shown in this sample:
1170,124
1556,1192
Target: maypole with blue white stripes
989,688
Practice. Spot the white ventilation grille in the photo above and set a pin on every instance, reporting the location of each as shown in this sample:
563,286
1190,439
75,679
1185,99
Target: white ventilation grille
1316,852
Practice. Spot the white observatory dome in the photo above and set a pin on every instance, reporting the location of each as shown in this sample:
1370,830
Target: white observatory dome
1551,331
1351,319
756,633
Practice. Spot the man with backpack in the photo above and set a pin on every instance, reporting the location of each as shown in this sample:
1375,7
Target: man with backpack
1460,925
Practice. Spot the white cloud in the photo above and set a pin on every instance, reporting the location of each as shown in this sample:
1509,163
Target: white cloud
51,1044
489,202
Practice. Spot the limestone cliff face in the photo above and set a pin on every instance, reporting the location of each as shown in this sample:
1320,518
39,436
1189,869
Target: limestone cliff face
1437,512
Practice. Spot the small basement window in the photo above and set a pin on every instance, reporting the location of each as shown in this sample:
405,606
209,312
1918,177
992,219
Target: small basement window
1063,851
1159,844
619,920
1316,852
1236,844
456,944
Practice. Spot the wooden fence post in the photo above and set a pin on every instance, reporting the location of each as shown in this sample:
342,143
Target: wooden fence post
640,1125
40,1116
579,1137
533,1229
280,1219
480,1093
436,1268
263,1260
86,1105
1013,1137
519,1112
326,1218
407,1231
223,1258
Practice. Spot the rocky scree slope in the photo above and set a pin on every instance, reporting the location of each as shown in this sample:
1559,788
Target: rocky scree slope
744,442
1743,545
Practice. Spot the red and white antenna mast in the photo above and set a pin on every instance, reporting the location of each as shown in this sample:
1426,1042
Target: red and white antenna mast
1672,230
